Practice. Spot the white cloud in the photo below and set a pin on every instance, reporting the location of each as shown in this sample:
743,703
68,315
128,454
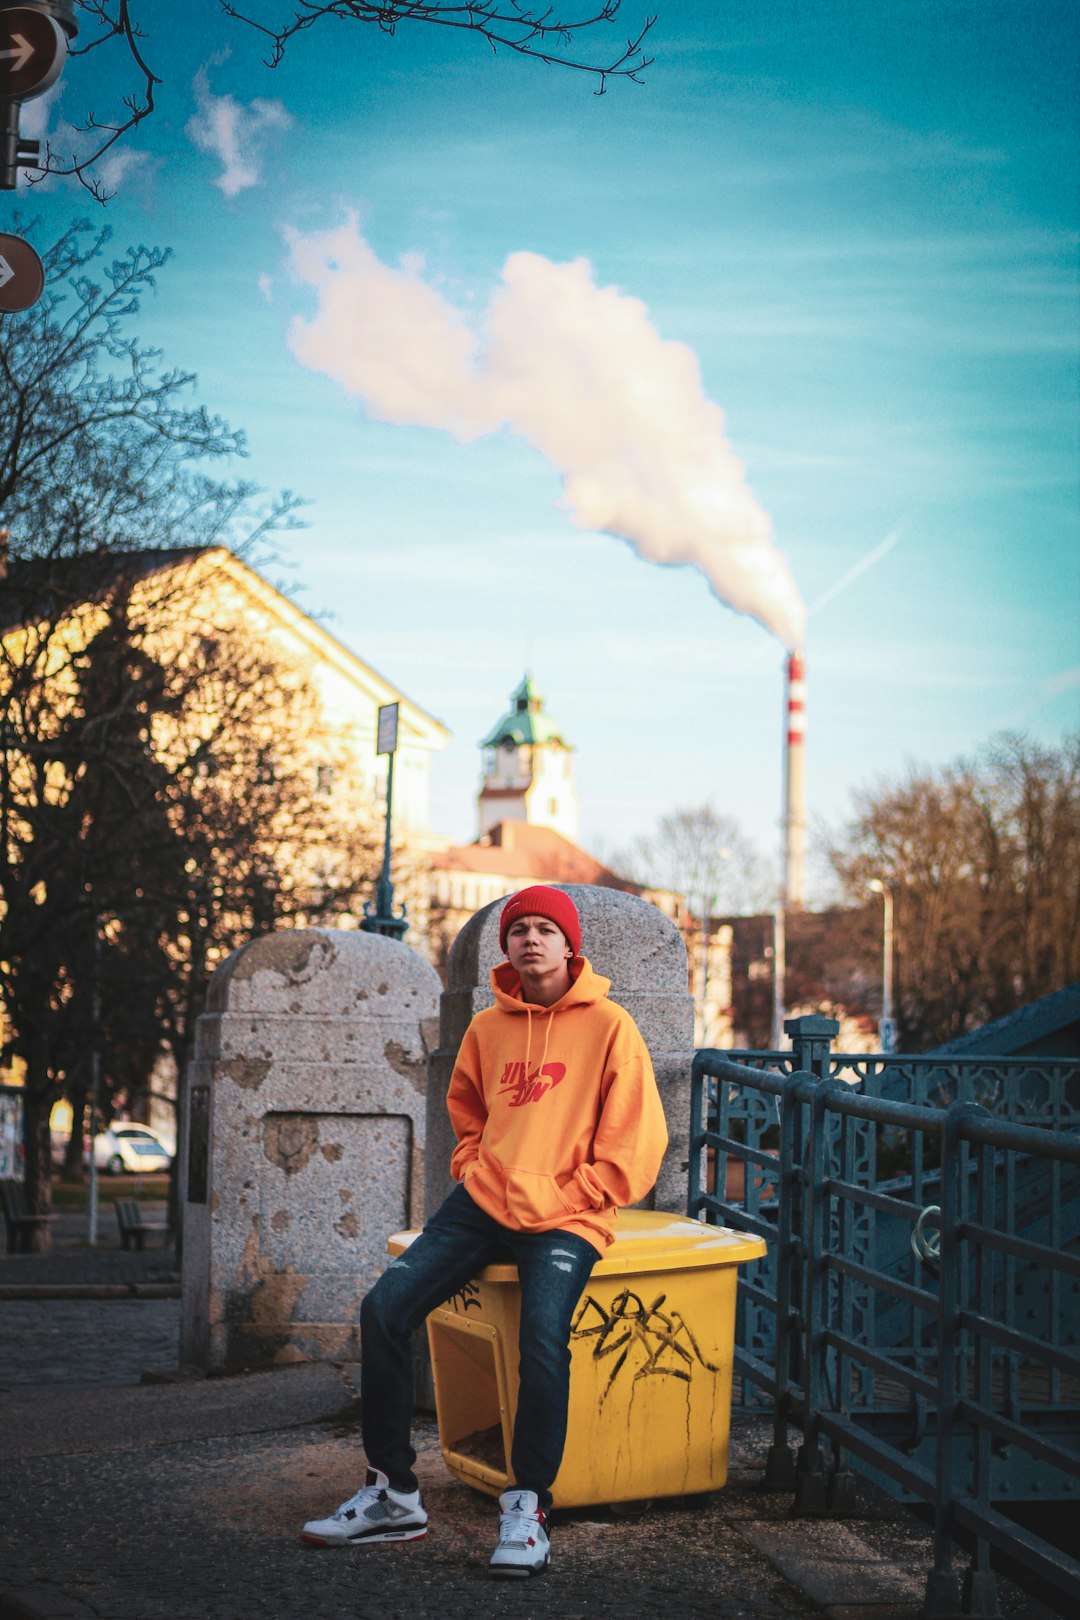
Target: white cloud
234,133
575,370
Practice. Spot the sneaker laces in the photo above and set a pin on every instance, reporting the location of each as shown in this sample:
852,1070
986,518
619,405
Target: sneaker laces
365,1497
516,1527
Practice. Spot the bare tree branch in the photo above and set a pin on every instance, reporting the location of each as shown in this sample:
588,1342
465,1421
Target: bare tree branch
537,32
524,29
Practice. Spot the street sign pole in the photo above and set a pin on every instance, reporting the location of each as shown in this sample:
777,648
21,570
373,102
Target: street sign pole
33,50
379,917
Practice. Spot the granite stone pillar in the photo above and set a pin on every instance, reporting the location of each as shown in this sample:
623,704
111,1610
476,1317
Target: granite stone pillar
305,1143
635,946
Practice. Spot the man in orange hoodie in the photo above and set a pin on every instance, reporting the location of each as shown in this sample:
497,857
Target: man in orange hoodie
559,1124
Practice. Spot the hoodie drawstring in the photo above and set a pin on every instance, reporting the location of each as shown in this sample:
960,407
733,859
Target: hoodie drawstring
547,1037
528,1041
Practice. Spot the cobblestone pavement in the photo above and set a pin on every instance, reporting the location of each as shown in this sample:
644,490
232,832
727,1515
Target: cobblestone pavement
74,1262
154,1504
86,1341
208,1531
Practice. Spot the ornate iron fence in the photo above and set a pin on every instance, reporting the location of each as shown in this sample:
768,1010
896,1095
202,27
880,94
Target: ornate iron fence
922,1326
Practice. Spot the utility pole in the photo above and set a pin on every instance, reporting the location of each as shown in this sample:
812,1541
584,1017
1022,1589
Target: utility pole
95,1087
887,1026
779,950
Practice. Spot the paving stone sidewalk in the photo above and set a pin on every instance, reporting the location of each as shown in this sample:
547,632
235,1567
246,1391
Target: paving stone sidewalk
181,1500
74,1265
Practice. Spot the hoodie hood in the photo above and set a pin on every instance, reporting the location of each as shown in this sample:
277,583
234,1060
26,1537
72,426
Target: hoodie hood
586,987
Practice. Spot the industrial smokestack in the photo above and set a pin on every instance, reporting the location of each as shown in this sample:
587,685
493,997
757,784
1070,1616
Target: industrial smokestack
795,783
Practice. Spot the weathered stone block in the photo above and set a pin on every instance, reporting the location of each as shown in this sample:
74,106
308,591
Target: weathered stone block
305,1143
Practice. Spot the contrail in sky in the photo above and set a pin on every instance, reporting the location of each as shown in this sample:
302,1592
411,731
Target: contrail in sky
855,570
874,555
574,369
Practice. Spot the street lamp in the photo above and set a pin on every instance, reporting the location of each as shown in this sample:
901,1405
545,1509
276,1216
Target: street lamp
887,1027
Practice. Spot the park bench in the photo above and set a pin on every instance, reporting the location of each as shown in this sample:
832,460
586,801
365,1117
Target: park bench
20,1222
133,1223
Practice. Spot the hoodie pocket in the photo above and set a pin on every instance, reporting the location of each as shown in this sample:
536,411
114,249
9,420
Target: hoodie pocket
534,1198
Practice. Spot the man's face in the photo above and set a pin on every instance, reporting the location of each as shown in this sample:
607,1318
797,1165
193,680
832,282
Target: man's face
536,946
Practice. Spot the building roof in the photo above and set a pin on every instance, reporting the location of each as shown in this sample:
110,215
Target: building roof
525,722
1049,1027
38,588
516,849
44,587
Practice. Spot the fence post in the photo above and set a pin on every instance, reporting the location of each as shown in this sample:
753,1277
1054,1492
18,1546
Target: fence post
698,1085
811,1485
780,1462
942,1587
979,1589
811,1043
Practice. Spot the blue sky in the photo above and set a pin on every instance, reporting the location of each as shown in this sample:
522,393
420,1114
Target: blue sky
860,219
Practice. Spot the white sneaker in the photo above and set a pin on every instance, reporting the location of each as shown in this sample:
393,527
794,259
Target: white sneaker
375,1513
523,1547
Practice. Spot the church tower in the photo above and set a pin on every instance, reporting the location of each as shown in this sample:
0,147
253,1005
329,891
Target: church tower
528,769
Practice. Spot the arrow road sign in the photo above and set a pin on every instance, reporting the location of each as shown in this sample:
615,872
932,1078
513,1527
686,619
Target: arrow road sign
22,274
33,50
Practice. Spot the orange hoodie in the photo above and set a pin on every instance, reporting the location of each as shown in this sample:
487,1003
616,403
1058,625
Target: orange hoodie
558,1119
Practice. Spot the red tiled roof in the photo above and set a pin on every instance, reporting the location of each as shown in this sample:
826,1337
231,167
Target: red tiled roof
516,849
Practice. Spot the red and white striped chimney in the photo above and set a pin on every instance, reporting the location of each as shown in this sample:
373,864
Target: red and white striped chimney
795,783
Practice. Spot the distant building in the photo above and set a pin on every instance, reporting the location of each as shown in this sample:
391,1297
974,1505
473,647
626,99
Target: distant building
194,591
527,815
825,972
528,769
509,856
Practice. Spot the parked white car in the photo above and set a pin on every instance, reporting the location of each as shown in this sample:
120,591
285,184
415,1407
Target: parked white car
136,1148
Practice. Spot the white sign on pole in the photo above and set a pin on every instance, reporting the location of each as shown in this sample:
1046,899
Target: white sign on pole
388,729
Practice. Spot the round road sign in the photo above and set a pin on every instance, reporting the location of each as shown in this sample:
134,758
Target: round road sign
33,50
22,274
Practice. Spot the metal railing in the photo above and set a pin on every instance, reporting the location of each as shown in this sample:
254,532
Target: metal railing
941,1367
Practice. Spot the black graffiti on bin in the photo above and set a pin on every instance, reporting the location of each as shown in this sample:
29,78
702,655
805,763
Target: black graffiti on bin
466,1298
663,1338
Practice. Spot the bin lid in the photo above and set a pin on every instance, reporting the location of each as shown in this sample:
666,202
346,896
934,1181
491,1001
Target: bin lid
646,1240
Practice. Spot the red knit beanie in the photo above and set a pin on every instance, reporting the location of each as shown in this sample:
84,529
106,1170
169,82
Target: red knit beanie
540,901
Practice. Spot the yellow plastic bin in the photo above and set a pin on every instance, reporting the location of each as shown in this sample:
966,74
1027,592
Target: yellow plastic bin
650,1366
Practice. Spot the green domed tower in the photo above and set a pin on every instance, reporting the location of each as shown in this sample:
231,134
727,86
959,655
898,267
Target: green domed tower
528,769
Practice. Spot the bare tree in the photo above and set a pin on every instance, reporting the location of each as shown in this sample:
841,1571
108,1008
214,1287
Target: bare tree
699,852
983,861
160,806
97,438
541,32
158,794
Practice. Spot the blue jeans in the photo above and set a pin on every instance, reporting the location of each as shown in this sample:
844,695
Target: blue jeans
455,1245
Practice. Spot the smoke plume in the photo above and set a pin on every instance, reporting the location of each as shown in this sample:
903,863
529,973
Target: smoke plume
575,370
